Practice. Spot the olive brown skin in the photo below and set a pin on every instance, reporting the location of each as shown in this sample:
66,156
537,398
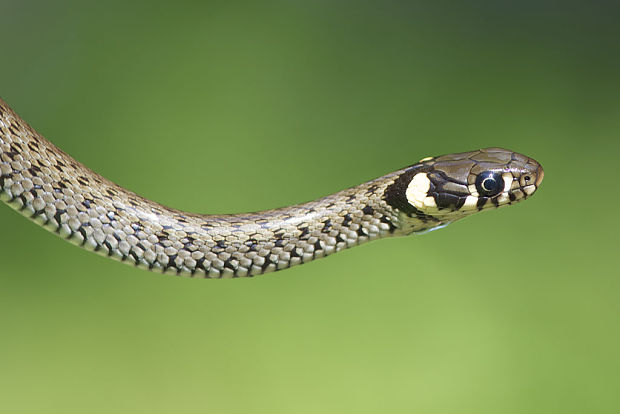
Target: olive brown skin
48,186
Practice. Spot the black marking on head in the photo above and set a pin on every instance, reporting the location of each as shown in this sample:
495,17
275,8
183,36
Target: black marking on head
395,194
420,215
481,202
460,203
448,192
446,200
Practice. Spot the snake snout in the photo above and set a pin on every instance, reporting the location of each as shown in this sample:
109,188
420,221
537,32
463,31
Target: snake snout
530,176
534,171
540,173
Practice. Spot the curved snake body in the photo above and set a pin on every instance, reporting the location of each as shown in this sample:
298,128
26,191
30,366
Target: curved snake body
51,188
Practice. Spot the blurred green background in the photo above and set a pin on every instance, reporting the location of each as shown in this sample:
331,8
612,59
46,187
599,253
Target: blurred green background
239,106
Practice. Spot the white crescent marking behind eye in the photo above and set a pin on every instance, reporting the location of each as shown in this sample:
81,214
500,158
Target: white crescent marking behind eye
417,191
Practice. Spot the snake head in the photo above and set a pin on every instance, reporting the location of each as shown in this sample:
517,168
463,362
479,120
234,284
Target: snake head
440,190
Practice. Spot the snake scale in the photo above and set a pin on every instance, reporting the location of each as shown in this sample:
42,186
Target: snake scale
48,186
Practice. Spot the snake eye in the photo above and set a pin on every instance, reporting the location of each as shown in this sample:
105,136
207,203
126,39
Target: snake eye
489,183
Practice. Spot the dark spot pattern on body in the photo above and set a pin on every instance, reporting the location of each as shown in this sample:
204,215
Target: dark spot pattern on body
327,225
368,210
347,220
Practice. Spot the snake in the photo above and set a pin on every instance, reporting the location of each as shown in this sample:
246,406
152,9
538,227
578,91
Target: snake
48,186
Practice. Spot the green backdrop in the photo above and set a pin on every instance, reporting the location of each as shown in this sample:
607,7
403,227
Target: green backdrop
238,106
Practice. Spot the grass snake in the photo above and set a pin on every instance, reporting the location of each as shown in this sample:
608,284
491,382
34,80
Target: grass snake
48,186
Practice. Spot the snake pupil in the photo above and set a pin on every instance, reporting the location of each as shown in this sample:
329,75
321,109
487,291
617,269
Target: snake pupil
489,183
